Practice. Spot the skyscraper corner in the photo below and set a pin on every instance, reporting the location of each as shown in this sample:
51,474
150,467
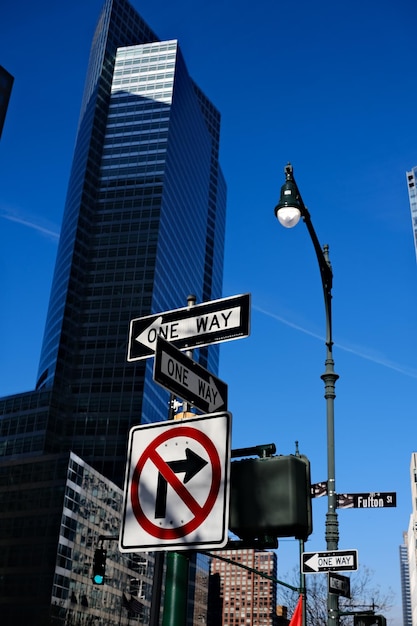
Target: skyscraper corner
143,227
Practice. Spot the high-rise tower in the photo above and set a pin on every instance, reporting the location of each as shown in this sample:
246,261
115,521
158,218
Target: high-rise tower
143,228
408,555
405,582
412,194
412,539
237,594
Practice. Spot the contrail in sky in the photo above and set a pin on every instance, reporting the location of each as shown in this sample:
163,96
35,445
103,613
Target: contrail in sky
33,225
380,360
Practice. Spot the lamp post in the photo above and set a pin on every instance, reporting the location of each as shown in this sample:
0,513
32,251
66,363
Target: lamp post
288,212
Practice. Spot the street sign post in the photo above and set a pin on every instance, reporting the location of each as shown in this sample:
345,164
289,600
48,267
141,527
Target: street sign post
329,561
373,500
189,380
339,585
190,327
176,493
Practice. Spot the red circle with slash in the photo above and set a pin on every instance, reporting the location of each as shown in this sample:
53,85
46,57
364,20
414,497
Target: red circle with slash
200,512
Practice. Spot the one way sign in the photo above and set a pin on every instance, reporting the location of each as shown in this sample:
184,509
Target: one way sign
187,379
329,561
200,325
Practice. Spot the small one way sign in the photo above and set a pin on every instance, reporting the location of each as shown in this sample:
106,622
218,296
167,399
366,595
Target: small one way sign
189,380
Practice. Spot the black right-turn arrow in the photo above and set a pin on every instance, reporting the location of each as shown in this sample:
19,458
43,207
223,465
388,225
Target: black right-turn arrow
191,465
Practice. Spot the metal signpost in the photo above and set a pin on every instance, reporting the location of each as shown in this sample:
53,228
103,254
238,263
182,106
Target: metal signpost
186,378
181,502
329,561
190,327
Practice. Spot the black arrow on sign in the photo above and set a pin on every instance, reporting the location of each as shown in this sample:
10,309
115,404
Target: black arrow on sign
191,465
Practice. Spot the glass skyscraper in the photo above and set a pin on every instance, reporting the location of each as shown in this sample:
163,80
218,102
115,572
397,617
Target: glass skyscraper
405,582
6,84
412,195
408,554
412,539
70,506
143,228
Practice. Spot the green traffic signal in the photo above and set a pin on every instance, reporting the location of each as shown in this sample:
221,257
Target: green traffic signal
99,566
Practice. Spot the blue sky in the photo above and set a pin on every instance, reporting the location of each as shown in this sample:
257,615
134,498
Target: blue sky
328,86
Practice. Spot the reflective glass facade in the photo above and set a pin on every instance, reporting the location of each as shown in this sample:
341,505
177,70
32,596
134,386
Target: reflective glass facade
143,228
199,578
51,522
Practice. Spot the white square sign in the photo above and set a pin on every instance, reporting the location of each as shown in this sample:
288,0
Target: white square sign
177,482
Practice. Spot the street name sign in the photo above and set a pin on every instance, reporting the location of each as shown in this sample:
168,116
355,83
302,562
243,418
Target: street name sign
371,500
175,371
177,484
329,561
190,327
339,585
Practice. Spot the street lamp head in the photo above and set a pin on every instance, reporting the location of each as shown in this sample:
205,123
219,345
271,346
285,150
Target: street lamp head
289,208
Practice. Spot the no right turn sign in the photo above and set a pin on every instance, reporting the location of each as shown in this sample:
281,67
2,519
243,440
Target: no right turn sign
177,485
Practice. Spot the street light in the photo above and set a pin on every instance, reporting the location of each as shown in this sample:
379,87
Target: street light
288,212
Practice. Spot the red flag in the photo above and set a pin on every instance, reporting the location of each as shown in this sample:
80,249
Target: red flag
297,618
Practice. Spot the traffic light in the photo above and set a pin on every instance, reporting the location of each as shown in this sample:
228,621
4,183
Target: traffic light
369,620
271,497
99,566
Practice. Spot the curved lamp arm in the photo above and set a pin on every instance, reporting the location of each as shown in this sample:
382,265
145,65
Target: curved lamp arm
288,212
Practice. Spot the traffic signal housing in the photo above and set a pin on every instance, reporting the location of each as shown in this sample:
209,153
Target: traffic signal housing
271,496
369,620
99,566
